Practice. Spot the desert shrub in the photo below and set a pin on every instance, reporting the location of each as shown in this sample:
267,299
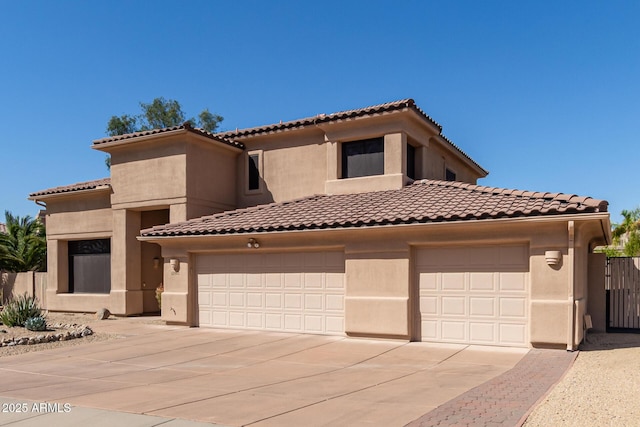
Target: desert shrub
159,291
16,312
37,323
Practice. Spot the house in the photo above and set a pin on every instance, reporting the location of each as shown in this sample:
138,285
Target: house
366,222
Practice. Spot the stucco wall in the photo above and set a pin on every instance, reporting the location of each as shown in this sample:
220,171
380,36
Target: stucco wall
381,297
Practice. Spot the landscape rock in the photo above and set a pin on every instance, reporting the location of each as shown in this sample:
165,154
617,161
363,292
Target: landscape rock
103,314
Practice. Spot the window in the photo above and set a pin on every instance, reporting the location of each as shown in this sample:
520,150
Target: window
449,175
411,161
90,266
363,158
254,171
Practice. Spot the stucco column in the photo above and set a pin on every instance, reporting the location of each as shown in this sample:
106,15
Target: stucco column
395,153
179,299
126,285
377,291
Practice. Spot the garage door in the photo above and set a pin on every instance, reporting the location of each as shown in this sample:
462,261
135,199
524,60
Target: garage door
291,292
474,295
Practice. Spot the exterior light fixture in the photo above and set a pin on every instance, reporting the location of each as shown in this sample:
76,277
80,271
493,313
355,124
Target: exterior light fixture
553,257
253,243
175,264
156,263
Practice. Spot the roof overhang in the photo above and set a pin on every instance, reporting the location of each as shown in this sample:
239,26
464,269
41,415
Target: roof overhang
601,217
109,144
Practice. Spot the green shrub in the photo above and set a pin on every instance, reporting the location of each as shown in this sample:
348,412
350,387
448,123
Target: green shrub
16,312
37,323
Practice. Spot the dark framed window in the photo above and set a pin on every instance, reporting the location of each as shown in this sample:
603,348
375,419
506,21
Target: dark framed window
254,171
411,161
449,175
90,266
363,158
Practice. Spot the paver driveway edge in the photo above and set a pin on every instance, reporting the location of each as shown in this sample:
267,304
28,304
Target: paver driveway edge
507,399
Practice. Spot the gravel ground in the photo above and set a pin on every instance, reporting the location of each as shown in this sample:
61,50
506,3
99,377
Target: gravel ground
602,388
53,318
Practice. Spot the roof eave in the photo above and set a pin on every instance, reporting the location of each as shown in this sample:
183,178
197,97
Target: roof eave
603,217
71,193
108,146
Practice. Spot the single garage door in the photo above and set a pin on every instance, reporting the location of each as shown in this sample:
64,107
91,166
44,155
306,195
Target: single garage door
474,295
290,292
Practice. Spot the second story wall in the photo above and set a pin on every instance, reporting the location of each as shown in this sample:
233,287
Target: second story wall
79,214
348,156
291,165
149,173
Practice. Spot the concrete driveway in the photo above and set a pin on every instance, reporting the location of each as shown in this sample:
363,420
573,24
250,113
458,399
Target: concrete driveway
238,378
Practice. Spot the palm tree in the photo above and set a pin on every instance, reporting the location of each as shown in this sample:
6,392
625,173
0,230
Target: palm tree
23,247
630,227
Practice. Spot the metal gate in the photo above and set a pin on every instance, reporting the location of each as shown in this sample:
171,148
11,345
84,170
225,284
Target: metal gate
623,294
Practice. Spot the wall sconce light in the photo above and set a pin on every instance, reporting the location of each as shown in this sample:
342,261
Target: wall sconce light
553,257
175,264
253,243
156,263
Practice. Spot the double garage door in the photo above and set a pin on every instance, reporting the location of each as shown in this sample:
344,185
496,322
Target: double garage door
474,295
290,292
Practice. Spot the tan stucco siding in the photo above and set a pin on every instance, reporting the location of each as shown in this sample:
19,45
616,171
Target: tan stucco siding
154,175
436,160
86,214
211,173
293,166
380,295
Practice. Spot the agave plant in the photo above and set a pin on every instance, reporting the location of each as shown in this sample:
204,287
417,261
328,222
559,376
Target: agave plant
37,323
16,312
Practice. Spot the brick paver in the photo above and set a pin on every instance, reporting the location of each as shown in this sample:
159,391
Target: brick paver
505,400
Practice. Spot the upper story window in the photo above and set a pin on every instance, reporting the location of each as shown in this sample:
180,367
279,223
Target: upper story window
253,172
363,158
411,161
449,175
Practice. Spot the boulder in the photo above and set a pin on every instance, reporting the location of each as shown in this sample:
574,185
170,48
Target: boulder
103,314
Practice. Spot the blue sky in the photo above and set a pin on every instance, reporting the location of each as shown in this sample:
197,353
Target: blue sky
543,94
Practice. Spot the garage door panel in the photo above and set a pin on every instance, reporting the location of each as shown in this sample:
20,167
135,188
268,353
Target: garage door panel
313,281
453,306
255,300
482,281
302,292
255,320
477,295
482,306
513,333
482,332
334,281
293,280
274,301
313,302
452,281
334,303
513,281
513,307
453,331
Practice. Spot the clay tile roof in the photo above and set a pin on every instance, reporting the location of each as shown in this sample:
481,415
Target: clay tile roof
185,126
324,118
372,110
88,185
422,202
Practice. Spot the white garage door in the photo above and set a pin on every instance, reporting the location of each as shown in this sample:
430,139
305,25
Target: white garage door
474,295
291,292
